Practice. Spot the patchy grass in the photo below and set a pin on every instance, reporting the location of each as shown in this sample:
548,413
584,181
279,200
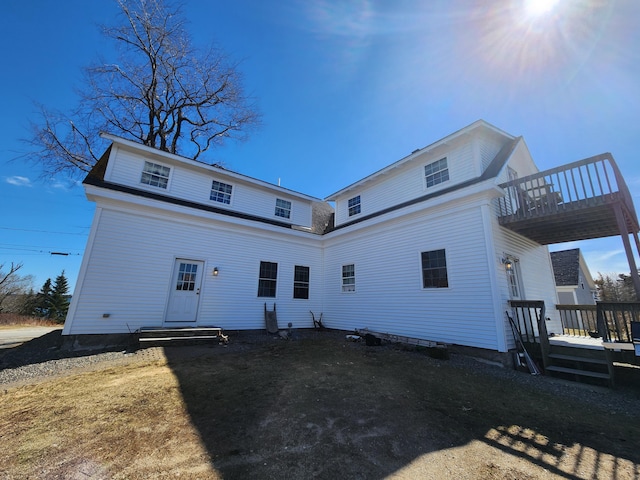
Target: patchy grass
14,320
315,408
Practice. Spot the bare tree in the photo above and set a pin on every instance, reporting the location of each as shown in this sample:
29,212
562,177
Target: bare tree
11,283
162,92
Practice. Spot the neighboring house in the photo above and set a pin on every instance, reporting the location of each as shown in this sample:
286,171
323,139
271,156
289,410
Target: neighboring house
574,283
415,249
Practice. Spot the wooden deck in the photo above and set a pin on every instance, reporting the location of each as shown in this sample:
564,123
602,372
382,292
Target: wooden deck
578,201
580,357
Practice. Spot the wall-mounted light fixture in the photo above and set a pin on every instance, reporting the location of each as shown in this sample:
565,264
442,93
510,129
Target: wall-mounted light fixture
215,271
508,263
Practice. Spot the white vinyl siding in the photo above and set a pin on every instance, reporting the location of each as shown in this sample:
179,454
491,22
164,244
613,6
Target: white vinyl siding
228,300
145,236
408,182
489,148
390,297
195,185
536,273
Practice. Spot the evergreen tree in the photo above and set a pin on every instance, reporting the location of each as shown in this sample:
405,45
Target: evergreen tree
43,300
28,304
615,290
60,299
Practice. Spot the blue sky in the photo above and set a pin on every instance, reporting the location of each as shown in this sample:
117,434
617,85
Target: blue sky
345,88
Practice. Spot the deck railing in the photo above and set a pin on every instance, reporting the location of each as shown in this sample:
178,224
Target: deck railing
578,320
592,181
614,321
529,317
609,320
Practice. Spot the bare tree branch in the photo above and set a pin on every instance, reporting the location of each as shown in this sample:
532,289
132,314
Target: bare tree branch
161,91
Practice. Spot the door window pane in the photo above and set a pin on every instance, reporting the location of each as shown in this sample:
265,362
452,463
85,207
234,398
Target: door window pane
187,276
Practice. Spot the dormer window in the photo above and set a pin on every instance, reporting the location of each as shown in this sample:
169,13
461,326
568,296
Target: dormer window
155,175
283,208
436,172
221,192
354,206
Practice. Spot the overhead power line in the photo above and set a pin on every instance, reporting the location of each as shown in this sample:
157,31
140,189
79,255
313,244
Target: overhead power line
42,231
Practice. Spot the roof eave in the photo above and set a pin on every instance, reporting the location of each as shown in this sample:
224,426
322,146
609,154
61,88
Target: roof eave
443,141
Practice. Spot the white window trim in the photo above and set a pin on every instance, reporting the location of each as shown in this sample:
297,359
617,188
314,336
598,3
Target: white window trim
276,208
214,202
420,279
437,185
342,277
269,279
152,187
359,204
308,284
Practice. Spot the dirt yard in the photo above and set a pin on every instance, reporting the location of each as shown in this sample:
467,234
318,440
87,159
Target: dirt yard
314,407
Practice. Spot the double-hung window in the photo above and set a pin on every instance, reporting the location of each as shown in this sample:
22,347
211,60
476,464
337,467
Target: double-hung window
301,282
349,278
283,208
434,269
155,175
221,192
436,172
354,205
267,279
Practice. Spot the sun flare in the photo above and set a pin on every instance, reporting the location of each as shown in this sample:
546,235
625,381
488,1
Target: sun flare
535,8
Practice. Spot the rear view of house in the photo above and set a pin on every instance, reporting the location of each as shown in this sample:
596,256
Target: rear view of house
419,248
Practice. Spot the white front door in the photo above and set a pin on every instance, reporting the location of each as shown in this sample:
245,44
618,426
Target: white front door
185,291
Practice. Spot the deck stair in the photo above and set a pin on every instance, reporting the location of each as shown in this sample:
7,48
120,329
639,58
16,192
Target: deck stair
582,365
180,335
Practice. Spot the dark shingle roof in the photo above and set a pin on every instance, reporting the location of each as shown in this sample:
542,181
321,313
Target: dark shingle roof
566,265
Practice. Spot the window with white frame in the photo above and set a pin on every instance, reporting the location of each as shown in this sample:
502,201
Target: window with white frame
301,282
221,192
511,267
283,208
349,278
354,205
436,172
267,280
155,175
434,269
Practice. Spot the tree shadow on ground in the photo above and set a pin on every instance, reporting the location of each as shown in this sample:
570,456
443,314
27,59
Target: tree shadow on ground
320,407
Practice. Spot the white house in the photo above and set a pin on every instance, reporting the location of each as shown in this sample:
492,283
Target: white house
574,283
415,249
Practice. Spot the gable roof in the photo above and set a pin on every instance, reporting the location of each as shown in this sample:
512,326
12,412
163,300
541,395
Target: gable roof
478,124
566,266
178,159
492,171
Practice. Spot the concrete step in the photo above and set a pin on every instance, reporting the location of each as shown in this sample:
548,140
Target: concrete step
151,335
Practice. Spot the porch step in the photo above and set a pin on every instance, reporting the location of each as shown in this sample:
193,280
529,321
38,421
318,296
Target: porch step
574,358
153,335
181,337
575,371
